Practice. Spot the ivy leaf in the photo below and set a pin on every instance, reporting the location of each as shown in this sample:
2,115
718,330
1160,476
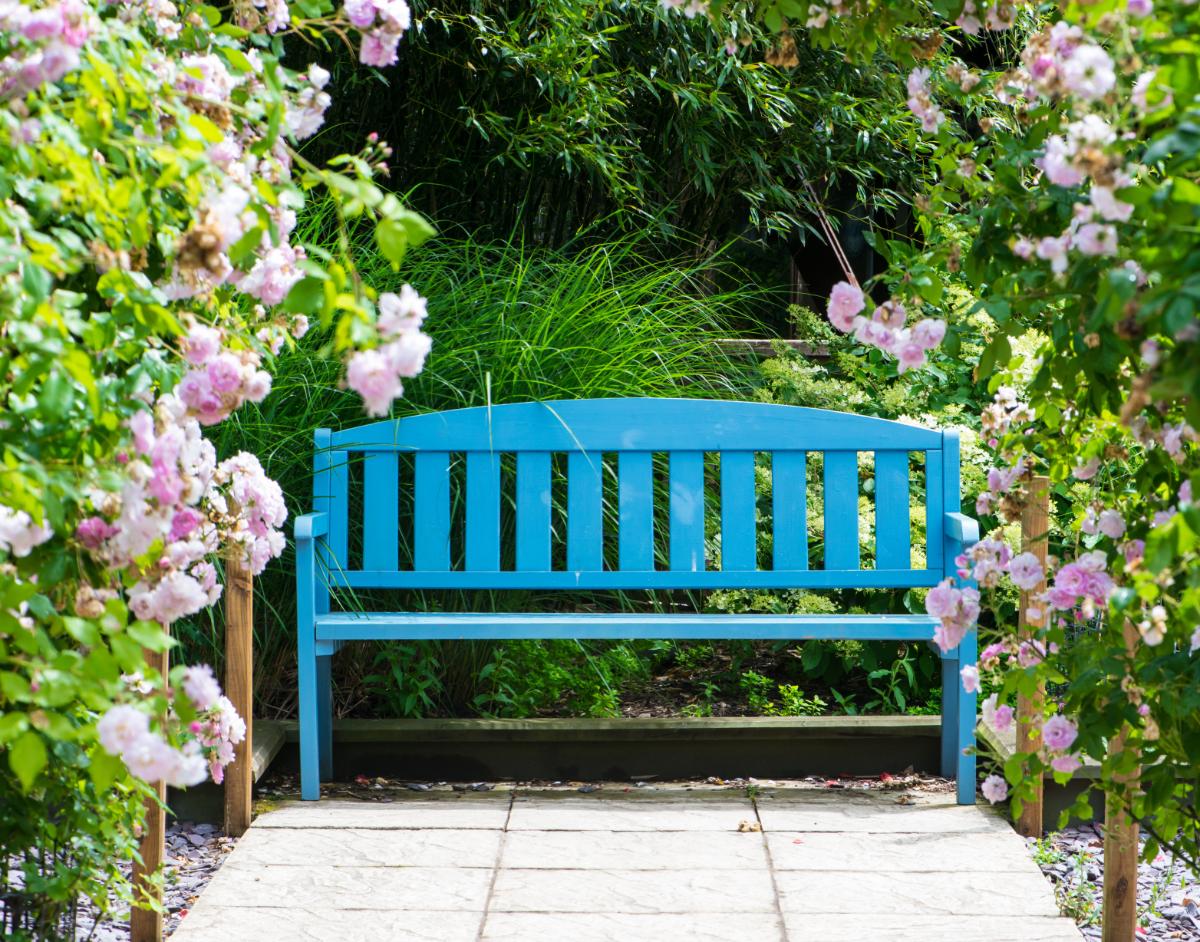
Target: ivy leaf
27,758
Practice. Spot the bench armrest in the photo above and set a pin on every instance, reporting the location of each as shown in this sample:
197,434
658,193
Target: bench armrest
310,526
961,528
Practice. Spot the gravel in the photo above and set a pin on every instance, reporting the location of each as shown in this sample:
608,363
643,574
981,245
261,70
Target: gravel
194,852
1168,892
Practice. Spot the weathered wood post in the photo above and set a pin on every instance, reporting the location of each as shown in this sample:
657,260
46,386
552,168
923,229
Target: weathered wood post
1119,919
239,688
1035,531
146,925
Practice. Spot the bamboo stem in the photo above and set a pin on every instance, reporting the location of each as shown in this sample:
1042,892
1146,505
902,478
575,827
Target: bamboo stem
1035,529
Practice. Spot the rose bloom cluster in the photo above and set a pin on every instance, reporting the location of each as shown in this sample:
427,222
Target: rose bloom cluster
42,45
219,380
956,609
920,103
175,495
1005,411
885,328
124,730
377,374
383,23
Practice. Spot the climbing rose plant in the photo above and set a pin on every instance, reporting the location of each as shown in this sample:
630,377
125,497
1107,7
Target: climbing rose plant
149,187
1067,208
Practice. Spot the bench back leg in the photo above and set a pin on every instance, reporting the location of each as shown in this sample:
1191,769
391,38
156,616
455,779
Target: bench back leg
950,685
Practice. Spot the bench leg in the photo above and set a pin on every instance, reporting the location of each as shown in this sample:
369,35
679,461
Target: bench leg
325,718
950,684
310,725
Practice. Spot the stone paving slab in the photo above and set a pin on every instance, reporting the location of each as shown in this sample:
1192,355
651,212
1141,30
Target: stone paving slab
325,886
368,847
331,813
883,815
634,891
304,924
957,851
582,814
626,927
924,928
931,893
662,866
634,850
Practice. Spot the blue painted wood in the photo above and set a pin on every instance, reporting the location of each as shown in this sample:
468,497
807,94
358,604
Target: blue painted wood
738,510
687,510
431,511
637,425
892,532
789,503
585,520
934,509
841,510
634,429
586,578
419,625
635,510
483,511
533,511
381,511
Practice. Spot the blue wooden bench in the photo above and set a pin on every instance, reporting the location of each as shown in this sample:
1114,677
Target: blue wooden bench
452,536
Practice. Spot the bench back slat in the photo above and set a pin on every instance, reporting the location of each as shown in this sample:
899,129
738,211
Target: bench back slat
738,506
893,539
789,509
841,509
381,511
465,537
635,510
431,511
534,483
686,537
585,521
483,510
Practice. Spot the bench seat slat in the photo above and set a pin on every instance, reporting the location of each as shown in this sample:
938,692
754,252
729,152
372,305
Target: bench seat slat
462,626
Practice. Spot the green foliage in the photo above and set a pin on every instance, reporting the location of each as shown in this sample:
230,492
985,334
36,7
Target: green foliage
511,323
551,116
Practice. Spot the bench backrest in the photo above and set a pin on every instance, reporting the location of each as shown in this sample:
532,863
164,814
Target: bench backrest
454,540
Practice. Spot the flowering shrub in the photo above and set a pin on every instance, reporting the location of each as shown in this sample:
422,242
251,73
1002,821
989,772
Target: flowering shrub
150,183
1066,207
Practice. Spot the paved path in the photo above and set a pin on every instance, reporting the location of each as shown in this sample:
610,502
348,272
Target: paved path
616,866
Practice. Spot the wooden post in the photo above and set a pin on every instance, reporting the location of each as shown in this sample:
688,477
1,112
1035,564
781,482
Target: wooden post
1119,919
146,925
1035,530
239,688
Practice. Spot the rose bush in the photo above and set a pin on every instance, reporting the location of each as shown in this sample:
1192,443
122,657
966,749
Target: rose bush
149,185
1067,204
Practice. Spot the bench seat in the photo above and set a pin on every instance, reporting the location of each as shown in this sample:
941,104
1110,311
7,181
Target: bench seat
465,626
